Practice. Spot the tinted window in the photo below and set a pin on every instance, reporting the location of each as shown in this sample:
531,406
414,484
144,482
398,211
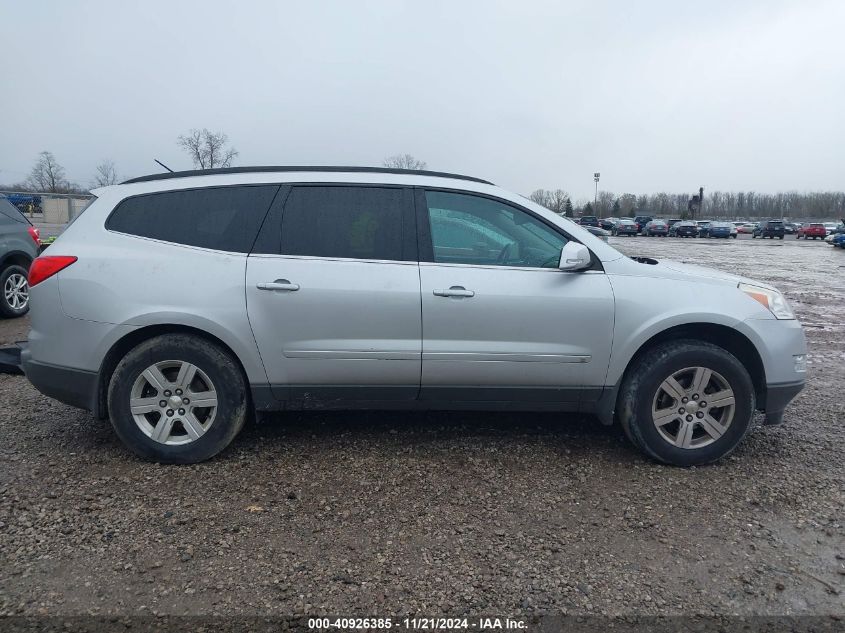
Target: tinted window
467,229
8,211
222,218
350,222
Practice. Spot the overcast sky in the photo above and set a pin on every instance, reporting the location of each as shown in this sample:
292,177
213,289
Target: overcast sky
657,96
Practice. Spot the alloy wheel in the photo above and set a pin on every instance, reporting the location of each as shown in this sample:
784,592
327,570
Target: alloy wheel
173,402
16,291
693,407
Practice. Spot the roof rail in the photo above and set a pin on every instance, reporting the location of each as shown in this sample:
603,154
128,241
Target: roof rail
270,168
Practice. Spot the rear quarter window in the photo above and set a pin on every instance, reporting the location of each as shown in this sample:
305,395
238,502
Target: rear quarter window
10,213
220,218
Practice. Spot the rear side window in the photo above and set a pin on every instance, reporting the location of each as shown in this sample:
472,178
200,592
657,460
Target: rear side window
9,212
222,218
348,222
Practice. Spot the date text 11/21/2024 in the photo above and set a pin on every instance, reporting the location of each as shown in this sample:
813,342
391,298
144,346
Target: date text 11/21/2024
417,624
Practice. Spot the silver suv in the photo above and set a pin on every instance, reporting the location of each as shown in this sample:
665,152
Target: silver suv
179,304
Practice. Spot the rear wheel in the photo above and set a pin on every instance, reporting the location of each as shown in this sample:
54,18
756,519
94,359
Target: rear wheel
14,301
177,399
686,403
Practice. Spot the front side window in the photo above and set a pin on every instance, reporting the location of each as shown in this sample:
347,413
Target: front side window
468,229
222,218
344,222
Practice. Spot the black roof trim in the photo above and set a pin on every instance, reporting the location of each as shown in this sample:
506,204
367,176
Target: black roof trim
270,168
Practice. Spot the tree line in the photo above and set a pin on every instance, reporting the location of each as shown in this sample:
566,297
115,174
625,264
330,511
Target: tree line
209,150
717,205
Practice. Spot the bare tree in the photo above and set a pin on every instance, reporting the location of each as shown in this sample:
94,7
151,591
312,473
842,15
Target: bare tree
207,149
47,175
403,161
552,200
106,175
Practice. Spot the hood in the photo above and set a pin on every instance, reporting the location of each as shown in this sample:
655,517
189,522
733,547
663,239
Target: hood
671,269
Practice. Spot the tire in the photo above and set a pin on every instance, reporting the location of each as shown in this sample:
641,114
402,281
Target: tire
642,389
14,298
211,429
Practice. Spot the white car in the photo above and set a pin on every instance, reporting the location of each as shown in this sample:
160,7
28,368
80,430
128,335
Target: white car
179,304
830,227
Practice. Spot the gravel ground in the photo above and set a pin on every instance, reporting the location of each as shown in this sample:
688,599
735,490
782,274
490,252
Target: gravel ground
441,514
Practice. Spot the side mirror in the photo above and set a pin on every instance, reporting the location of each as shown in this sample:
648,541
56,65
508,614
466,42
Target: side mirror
574,256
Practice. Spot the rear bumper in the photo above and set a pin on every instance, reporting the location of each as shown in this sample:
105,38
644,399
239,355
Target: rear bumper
76,387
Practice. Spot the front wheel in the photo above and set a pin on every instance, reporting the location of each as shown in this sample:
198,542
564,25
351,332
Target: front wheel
177,399
686,403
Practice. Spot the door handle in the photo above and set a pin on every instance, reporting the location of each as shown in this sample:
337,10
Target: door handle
454,291
279,284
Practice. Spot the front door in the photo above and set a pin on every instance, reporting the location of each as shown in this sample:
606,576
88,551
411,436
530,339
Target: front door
333,295
500,321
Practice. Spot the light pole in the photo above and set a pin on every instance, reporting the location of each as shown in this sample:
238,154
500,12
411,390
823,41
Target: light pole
596,177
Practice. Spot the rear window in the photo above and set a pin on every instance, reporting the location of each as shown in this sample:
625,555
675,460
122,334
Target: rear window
345,222
8,211
222,218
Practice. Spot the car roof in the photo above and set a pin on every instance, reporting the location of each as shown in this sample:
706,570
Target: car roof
300,168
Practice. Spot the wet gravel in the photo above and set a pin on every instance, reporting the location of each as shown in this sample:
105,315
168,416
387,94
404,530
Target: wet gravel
441,513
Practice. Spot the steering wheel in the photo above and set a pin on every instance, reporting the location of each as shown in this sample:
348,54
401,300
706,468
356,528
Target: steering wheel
504,254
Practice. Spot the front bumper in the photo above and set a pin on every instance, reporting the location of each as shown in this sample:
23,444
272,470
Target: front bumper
76,387
777,397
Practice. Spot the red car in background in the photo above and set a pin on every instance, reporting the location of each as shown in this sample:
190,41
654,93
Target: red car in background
815,230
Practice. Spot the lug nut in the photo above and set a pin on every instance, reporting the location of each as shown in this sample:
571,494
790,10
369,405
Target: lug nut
178,392
185,401
169,412
689,418
702,404
685,400
181,411
699,414
167,392
695,396
681,410
162,403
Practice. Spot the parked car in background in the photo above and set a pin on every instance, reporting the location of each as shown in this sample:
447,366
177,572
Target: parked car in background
769,228
589,220
812,230
672,221
626,227
608,223
830,227
790,228
716,229
656,227
599,233
838,240
19,246
686,228
746,228
642,220
456,288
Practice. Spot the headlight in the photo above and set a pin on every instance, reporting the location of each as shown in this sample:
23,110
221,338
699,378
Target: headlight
771,299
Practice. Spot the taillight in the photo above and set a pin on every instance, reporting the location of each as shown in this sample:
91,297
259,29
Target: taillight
47,266
35,235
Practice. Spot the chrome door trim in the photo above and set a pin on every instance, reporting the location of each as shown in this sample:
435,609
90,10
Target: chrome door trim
506,357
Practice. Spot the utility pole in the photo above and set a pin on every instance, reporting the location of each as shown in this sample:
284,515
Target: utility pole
596,177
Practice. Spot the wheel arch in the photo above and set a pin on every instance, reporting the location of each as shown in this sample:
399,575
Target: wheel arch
16,258
729,339
122,346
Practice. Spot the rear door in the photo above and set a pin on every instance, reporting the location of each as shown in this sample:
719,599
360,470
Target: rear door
333,294
501,322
